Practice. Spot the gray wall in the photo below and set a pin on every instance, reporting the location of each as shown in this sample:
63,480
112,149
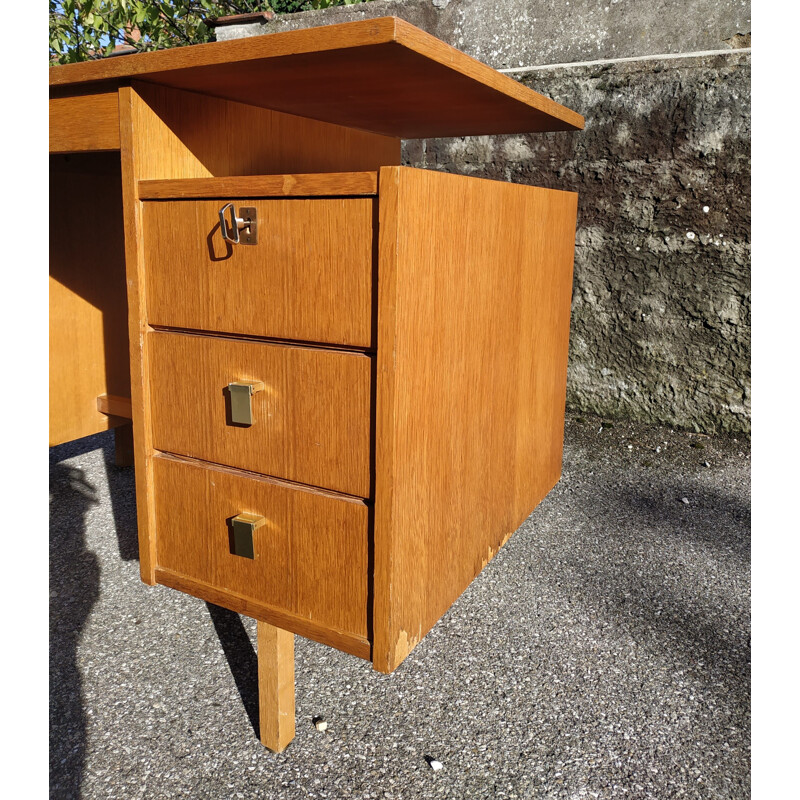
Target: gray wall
661,302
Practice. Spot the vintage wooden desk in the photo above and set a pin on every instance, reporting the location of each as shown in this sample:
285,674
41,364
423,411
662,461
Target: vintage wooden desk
346,377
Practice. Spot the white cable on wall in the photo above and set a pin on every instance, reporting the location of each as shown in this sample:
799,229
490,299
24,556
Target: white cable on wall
662,57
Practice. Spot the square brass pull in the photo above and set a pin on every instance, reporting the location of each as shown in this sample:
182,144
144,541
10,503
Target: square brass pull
241,400
244,526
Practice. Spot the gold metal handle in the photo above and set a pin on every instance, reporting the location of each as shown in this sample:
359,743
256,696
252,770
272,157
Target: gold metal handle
244,526
241,400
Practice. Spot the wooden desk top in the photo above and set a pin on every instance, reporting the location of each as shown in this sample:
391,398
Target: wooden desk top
380,75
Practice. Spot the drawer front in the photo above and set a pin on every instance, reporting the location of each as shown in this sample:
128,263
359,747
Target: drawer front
309,277
309,555
310,422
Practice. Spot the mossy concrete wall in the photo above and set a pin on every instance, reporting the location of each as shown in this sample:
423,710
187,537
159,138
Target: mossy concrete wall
661,302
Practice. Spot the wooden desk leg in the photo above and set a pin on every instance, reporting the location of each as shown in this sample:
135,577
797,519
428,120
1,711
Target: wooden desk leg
123,445
275,686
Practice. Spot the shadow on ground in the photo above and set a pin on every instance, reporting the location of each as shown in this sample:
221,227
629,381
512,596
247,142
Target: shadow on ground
74,588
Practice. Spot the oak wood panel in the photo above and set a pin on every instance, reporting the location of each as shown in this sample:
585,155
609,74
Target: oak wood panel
310,555
115,406
308,278
275,686
400,81
88,306
84,123
222,54
471,369
545,302
310,422
110,86
333,183
136,137
346,642
191,135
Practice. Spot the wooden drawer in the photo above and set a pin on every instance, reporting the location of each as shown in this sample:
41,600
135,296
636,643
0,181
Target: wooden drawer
309,571
309,277
311,422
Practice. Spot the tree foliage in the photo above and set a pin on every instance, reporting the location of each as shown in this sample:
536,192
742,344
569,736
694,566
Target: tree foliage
81,30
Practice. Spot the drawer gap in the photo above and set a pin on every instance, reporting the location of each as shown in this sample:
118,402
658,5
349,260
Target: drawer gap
241,337
305,487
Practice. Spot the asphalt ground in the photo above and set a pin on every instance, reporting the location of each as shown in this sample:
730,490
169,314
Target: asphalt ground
603,653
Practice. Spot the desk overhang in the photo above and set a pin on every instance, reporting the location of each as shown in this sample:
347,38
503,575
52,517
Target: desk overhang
381,75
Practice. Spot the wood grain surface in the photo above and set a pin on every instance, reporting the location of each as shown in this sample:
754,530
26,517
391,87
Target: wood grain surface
88,306
310,556
324,634
193,135
275,686
84,123
473,327
135,143
308,278
310,423
401,81
300,185
115,406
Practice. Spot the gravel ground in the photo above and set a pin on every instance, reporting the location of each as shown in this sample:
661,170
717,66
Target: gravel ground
603,653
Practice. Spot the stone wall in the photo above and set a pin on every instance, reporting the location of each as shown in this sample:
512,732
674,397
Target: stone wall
661,302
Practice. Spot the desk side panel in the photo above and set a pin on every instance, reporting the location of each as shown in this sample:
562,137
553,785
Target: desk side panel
475,283
88,306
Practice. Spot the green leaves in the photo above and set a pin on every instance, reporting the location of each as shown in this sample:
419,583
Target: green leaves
329,3
80,30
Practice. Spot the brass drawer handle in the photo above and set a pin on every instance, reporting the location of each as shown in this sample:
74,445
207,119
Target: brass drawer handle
244,526
241,393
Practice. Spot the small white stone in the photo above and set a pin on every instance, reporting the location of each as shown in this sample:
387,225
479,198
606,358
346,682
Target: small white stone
690,234
706,464
630,447
436,765
320,725
685,501
706,209
658,449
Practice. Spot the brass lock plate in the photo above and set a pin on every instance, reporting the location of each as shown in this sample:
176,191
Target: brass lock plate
249,233
239,229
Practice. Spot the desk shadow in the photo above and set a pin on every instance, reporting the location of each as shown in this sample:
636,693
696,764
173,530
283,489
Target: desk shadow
74,588
121,488
241,658
122,492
